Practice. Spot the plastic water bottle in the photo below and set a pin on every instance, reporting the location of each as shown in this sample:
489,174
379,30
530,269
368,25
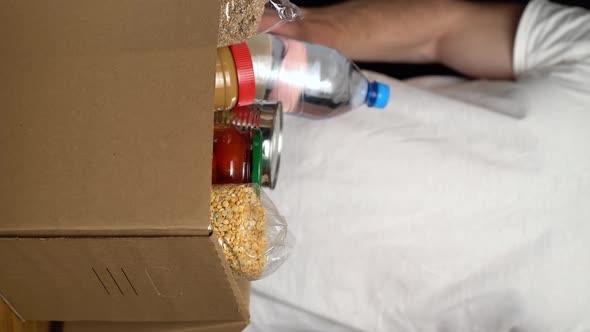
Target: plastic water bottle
311,80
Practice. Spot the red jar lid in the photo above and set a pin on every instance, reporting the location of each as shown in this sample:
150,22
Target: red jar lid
245,71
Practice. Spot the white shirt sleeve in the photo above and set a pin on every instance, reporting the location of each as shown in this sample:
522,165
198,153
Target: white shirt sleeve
553,43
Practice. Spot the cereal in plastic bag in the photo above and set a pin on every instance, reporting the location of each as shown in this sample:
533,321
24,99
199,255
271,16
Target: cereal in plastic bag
241,19
250,230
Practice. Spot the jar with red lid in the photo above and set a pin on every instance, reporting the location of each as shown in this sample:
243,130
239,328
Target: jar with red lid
234,77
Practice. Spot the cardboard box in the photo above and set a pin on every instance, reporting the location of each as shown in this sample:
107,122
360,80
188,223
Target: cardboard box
105,163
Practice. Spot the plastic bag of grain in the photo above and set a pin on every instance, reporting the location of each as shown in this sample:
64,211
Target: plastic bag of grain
252,233
242,19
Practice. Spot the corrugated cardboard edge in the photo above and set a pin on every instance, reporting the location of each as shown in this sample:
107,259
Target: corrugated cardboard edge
89,233
154,327
222,327
12,308
243,303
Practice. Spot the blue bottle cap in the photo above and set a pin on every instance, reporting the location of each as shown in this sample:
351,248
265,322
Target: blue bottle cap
378,95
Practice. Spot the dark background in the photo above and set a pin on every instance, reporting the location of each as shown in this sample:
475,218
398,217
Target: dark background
405,70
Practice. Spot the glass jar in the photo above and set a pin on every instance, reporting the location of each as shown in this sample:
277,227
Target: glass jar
234,77
237,155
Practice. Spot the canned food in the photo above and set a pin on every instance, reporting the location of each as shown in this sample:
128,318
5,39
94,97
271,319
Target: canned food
268,118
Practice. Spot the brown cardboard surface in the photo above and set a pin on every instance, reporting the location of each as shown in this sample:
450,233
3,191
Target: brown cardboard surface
105,145
155,327
10,323
105,116
244,291
118,279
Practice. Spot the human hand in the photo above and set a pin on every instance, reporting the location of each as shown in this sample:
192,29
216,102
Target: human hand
472,38
377,30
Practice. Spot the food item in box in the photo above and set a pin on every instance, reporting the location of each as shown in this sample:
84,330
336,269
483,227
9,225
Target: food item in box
263,117
237,156
311,80
242,19
252,234
234,77
238,20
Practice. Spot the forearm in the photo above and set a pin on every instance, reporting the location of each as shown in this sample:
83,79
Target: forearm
378,30
479,41
472,38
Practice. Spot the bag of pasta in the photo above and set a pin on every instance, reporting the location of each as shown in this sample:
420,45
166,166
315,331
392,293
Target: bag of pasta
242,19
250,230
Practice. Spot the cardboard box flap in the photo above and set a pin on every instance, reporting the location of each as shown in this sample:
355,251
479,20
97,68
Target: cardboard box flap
155,327
118,279
105,116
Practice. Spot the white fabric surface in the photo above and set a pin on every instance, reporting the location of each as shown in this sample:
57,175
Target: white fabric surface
440,214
